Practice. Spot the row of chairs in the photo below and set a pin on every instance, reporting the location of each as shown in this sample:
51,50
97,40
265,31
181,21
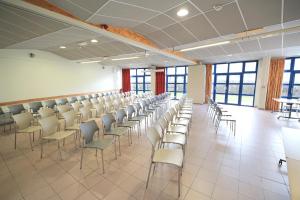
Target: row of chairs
218,115
171,128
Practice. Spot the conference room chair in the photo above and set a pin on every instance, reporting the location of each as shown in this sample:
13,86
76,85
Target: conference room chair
62,109
6,119
51,132
62,101
168,128
132,116
49,104
72,122
220,117
72,100
122,121
163,156
46,112
16,109
110,128
35,106
140,113
88,131
24,124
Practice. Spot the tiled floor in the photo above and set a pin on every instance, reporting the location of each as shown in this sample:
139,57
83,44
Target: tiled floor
217,167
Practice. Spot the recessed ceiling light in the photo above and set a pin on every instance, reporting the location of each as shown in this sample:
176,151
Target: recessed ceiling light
182,12
92,61
217,7
128,58
94,41
229,55
82,43
62,47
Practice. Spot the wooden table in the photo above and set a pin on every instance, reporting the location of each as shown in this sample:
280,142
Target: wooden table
290,103
291,141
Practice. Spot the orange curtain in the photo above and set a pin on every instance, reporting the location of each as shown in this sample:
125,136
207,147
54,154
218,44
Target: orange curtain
274,83
160,81
126,80
208,82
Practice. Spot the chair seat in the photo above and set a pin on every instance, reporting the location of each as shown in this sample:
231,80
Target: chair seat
228,118
100,144
118,131
186,112
186,116
74,127
169,156
178,129
137,118
174,138
58,135
128,124
30,129
183,122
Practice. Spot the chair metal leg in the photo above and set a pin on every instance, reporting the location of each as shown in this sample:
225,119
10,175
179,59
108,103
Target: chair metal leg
81,158
115,147
59,150
96,152
42,149
102,161
148,175
179,179
15,138
119,145
29,134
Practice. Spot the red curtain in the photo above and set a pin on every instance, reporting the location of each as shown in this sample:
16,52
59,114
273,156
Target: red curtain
126,80
160,81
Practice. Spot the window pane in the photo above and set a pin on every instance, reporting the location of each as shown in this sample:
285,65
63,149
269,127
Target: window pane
147,79
247,100
250,66
297,64
180,70
233,89
179,95
140,71
234,79
213,79
221,78
249,78
220,88
213,69
287,64
179,87
132,79
140,79
249,89
170,87
140,86
233,99
171,79
171,71
284,91
236,67
133,86
296,91
297,78
148,87
222,68
132,72
286,77
220,98
180,79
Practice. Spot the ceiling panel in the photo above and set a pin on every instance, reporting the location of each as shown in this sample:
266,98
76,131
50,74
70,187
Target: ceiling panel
144,28
115,9
90,5
232,48
153,4
173,12
162,39
161,21
205,5
200,27
271,43
180,34
250,45
216,51
119,22
72,8
291,10
291,40
228,20
199,54
258,13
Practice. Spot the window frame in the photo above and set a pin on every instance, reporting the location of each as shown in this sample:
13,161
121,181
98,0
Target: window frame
175,83
136,82
292,72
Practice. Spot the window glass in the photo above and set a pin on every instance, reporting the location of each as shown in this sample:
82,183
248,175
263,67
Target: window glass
147,87
296,91
147,79
171,71
234,78
247,100
140,87
233,99
180,70
140,79
287,64
171,79
179,87
140,72
286,77
170,87
297,64
180,79
235,67
285,89
233,89
297,78
221,68
249,78
176,79
132,72
221,78
220,98
220,88
249,89
250,67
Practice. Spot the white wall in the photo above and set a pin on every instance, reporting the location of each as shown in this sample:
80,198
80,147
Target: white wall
22,77
262,82
196,83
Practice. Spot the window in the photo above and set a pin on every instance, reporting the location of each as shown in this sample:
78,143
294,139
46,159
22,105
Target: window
291,79
234,83
140,80
176,80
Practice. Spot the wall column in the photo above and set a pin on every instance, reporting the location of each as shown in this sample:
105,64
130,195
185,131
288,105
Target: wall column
196,83
153,82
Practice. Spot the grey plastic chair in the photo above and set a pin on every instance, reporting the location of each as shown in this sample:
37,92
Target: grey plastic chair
131,116
88,131
71,122
5,119
46,112
35,106
123,122
72,99
140,113
50,104
110,128
16,109
63,101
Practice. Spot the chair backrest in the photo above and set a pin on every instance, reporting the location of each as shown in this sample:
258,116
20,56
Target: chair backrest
1,111
35,106
120,115
168,117
87,103
63,108
153,137
88,130
69,118
100,109
76,106
159,130
23,120
163,123
63,101
107,121
49,125
50,104
94,101
130,111
72,99
16,109
85,113
46,112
